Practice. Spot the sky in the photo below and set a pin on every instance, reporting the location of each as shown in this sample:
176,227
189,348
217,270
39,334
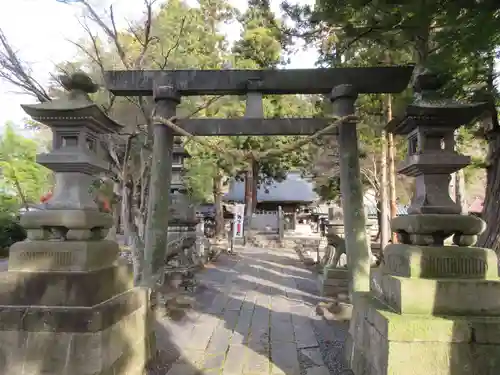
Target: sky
41,39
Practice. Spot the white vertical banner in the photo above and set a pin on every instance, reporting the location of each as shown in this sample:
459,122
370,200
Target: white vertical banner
239,212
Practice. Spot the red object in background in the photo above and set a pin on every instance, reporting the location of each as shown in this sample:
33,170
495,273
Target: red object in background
477,206
46,197
106,207
103,202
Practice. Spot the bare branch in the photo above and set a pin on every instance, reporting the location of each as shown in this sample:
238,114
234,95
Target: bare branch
97,57
170,123
306,140
16,72
371,179
147,32
166,55
142,107
111,32
111,102
205,105
174,46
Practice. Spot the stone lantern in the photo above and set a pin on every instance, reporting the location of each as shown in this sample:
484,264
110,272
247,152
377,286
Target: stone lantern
86,316
429,127
431,302
179,154
77,155
182,219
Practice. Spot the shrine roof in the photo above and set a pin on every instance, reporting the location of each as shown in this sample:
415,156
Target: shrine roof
293,189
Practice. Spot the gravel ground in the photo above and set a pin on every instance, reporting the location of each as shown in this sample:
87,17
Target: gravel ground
331,338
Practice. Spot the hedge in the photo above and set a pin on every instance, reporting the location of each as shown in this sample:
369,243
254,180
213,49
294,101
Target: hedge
10,232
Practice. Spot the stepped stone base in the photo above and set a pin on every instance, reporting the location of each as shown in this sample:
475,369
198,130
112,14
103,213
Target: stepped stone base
65,289
70,308
114,337
454,297
382,342
334,282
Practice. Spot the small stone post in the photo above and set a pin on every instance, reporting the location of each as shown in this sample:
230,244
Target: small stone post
202,248
343,98
433,306
68,305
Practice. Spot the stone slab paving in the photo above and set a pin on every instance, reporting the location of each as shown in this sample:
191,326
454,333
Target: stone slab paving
255,314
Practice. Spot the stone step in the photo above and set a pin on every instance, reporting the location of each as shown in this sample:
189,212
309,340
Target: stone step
336,282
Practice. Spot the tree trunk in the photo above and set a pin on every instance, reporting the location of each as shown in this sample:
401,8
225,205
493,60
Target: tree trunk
460,191
143,196
126,214
249,178
219,212
392,169
385,196
116,210
458,182
392,181
452,187
19,189
491,208
133,239
255,175
384,222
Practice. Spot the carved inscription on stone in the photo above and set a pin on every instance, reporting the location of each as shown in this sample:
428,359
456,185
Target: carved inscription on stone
53,259
397,265
453,266
435,267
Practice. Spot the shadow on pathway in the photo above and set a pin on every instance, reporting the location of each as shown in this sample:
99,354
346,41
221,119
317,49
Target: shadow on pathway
255,314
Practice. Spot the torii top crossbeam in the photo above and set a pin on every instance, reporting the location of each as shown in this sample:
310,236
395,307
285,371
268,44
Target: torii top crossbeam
367,80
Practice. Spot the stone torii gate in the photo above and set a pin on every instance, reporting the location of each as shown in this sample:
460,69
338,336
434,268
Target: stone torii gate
342,85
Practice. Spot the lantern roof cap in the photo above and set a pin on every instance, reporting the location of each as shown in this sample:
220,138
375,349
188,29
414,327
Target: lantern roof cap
431,109
179,148
74,107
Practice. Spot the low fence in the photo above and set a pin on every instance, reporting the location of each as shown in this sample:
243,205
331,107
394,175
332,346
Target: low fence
265,221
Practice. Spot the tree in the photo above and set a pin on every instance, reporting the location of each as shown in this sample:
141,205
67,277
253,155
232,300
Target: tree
453,38
261,46
21,176
260,43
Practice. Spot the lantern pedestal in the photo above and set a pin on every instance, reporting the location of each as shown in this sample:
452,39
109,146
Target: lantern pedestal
433,307
67,304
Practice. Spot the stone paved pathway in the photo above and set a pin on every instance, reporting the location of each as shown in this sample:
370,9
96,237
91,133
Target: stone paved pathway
255,314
